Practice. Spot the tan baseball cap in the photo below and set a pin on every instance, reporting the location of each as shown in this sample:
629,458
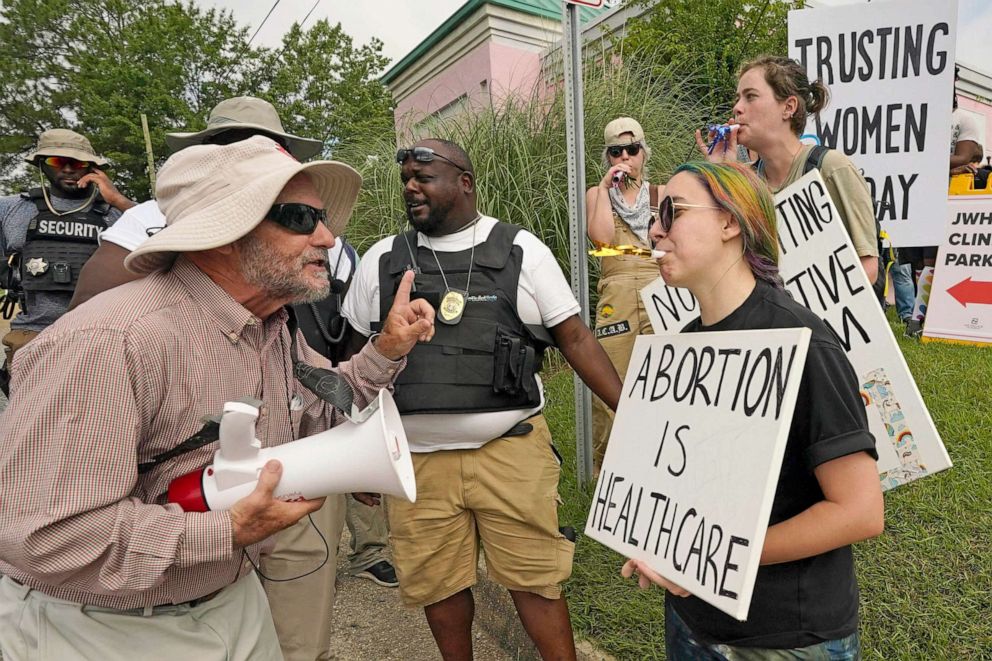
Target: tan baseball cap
63,142
246,112
619,126
212,195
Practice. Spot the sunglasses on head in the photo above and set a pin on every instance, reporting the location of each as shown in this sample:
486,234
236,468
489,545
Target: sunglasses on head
59,162
666,212
423,155
633,149
297,217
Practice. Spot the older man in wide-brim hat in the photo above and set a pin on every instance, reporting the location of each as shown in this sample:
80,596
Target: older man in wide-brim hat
302,620
94,560
47,233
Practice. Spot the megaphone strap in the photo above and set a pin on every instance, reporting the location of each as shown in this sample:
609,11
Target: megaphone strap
209,433
326,384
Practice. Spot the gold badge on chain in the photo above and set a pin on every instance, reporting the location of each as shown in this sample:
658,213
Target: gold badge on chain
452,306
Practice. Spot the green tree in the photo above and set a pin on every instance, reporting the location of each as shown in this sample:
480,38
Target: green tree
712,37
325,87
96,65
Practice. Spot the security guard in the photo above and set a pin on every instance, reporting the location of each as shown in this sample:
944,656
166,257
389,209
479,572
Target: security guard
48,233
471,403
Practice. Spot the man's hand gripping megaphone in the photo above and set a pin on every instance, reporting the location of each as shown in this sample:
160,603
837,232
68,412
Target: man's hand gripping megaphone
260,514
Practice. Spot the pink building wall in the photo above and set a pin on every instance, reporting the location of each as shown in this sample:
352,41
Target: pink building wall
488,74
461,78
514,71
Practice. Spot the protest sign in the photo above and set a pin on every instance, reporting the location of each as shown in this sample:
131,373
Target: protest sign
889,67
822,272
668,308
690,473
960,307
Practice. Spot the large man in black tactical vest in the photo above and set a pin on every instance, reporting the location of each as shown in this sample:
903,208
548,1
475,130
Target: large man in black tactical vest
48,233
471,401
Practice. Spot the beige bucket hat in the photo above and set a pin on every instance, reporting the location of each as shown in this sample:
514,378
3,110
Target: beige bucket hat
212,195
615,129
63,142
246,112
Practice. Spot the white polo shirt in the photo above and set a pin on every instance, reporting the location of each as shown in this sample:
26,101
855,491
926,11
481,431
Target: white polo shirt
543,297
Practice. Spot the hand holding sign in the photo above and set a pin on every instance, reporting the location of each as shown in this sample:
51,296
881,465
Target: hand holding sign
646,576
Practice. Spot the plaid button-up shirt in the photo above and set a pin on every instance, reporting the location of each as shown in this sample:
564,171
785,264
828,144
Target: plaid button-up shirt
112,384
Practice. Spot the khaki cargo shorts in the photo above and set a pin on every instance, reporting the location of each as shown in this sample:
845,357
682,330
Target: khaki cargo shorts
504,493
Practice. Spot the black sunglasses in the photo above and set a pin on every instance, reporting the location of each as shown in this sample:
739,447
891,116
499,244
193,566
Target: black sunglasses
666,212
633,149
423,155
297,217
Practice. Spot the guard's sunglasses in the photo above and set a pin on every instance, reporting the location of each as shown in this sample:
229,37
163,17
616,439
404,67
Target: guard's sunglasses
424,155
633,149
59,162
297,217
666,212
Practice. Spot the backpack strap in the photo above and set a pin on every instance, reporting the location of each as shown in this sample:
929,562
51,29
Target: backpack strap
814,160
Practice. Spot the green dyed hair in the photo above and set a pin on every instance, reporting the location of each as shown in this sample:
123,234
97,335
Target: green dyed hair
740,192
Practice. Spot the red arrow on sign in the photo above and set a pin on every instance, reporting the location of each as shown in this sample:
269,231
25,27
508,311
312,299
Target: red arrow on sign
972,291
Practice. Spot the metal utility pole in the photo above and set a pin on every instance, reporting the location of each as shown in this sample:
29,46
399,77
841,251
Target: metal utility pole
575,144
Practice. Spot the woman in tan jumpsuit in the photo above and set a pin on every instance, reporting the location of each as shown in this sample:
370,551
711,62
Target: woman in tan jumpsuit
618,212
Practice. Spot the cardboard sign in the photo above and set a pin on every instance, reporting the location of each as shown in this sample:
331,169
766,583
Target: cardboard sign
822,272
690,473
889,67
960,307
669,308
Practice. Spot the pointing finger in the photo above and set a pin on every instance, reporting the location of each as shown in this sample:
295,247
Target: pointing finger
403,291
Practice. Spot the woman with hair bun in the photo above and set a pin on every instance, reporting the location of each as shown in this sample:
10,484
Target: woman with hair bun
716,229
774,100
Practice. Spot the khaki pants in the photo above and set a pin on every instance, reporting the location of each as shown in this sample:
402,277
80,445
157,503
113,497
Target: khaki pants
235,625
302,608
620,318
369,535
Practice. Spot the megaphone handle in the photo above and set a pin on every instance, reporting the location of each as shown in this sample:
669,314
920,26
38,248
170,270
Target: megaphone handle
237,432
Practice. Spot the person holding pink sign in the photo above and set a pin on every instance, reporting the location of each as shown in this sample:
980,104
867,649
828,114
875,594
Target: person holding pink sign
715,234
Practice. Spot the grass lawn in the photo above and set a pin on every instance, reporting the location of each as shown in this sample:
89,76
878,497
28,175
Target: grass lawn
926,583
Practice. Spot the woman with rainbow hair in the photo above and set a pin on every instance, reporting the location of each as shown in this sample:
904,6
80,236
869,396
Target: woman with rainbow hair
716,235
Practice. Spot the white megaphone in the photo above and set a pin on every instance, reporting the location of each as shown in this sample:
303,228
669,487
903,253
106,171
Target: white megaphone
371,456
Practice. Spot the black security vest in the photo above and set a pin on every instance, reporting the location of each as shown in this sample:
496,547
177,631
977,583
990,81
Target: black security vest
57,246
486,362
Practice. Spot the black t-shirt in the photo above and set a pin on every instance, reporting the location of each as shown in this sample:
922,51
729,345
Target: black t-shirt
801,603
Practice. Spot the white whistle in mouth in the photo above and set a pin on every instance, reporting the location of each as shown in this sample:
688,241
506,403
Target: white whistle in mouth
658,254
